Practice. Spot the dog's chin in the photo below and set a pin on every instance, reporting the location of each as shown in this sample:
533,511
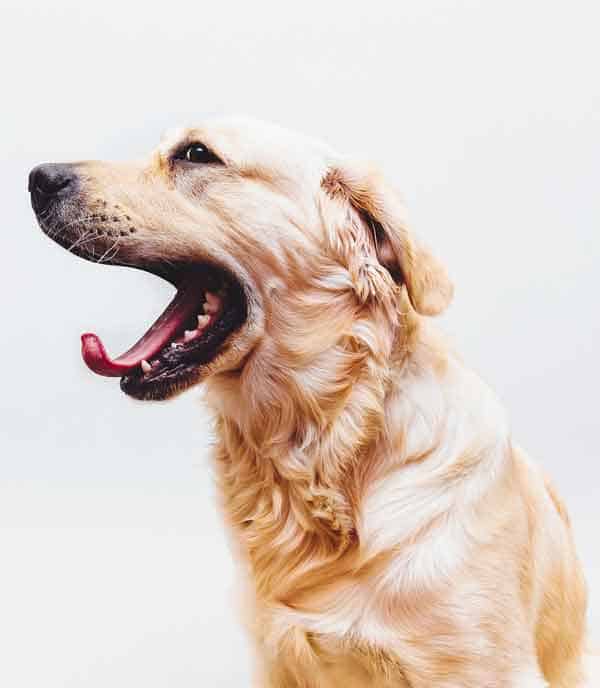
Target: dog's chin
206,328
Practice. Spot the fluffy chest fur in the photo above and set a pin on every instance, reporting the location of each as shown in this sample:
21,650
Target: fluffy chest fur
404,559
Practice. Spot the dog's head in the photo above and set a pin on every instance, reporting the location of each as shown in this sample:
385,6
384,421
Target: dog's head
264,233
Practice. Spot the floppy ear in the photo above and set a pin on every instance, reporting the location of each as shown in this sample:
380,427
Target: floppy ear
378,211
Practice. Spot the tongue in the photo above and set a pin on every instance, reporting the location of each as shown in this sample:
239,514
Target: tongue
182,308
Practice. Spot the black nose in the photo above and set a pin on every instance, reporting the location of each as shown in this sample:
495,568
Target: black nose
48,181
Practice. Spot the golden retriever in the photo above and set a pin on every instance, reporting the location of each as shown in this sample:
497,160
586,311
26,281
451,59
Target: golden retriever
391,532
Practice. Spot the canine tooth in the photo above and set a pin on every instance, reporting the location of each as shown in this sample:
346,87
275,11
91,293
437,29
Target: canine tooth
174,345
212,303
203,321
188,335
146,367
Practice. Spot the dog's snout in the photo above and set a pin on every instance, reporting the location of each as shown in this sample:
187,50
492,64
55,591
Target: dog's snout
48,181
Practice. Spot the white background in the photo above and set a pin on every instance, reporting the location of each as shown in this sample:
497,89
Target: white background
114,569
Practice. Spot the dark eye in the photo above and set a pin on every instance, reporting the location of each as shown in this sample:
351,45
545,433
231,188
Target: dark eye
198,153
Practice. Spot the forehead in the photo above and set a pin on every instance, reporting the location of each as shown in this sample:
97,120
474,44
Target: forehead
247,144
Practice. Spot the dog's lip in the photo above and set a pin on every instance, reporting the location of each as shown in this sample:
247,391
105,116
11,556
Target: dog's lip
182,308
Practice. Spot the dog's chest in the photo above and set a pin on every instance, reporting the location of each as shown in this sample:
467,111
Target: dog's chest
322,644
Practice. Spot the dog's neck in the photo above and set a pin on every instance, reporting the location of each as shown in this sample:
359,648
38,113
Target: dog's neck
298,449
296,434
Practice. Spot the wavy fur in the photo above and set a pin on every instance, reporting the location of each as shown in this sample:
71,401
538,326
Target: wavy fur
391,533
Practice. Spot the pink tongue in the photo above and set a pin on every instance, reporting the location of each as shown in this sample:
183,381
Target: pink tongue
186,304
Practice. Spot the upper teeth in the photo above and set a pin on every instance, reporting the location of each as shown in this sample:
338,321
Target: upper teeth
146,367
210,307
212,303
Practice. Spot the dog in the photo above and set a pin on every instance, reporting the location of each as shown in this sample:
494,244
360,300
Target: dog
390,531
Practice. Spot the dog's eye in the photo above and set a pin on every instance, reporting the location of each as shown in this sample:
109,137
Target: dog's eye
198,153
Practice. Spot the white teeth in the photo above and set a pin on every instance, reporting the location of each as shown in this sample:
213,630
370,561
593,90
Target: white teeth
203,321
212,303
188,335
146,367
174,345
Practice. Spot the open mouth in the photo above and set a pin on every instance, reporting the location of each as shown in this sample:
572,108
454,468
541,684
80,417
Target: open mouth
192,332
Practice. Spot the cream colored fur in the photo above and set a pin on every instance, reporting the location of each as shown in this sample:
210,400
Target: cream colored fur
390,531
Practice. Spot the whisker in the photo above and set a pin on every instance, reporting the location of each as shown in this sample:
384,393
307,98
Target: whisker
83,240
108,250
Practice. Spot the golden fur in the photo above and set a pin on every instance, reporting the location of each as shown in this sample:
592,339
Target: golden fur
391,532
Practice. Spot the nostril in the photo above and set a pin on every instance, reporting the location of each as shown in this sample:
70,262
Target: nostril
52,185
50,179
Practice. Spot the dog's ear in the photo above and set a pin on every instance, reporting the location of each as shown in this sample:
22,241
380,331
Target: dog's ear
373,215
